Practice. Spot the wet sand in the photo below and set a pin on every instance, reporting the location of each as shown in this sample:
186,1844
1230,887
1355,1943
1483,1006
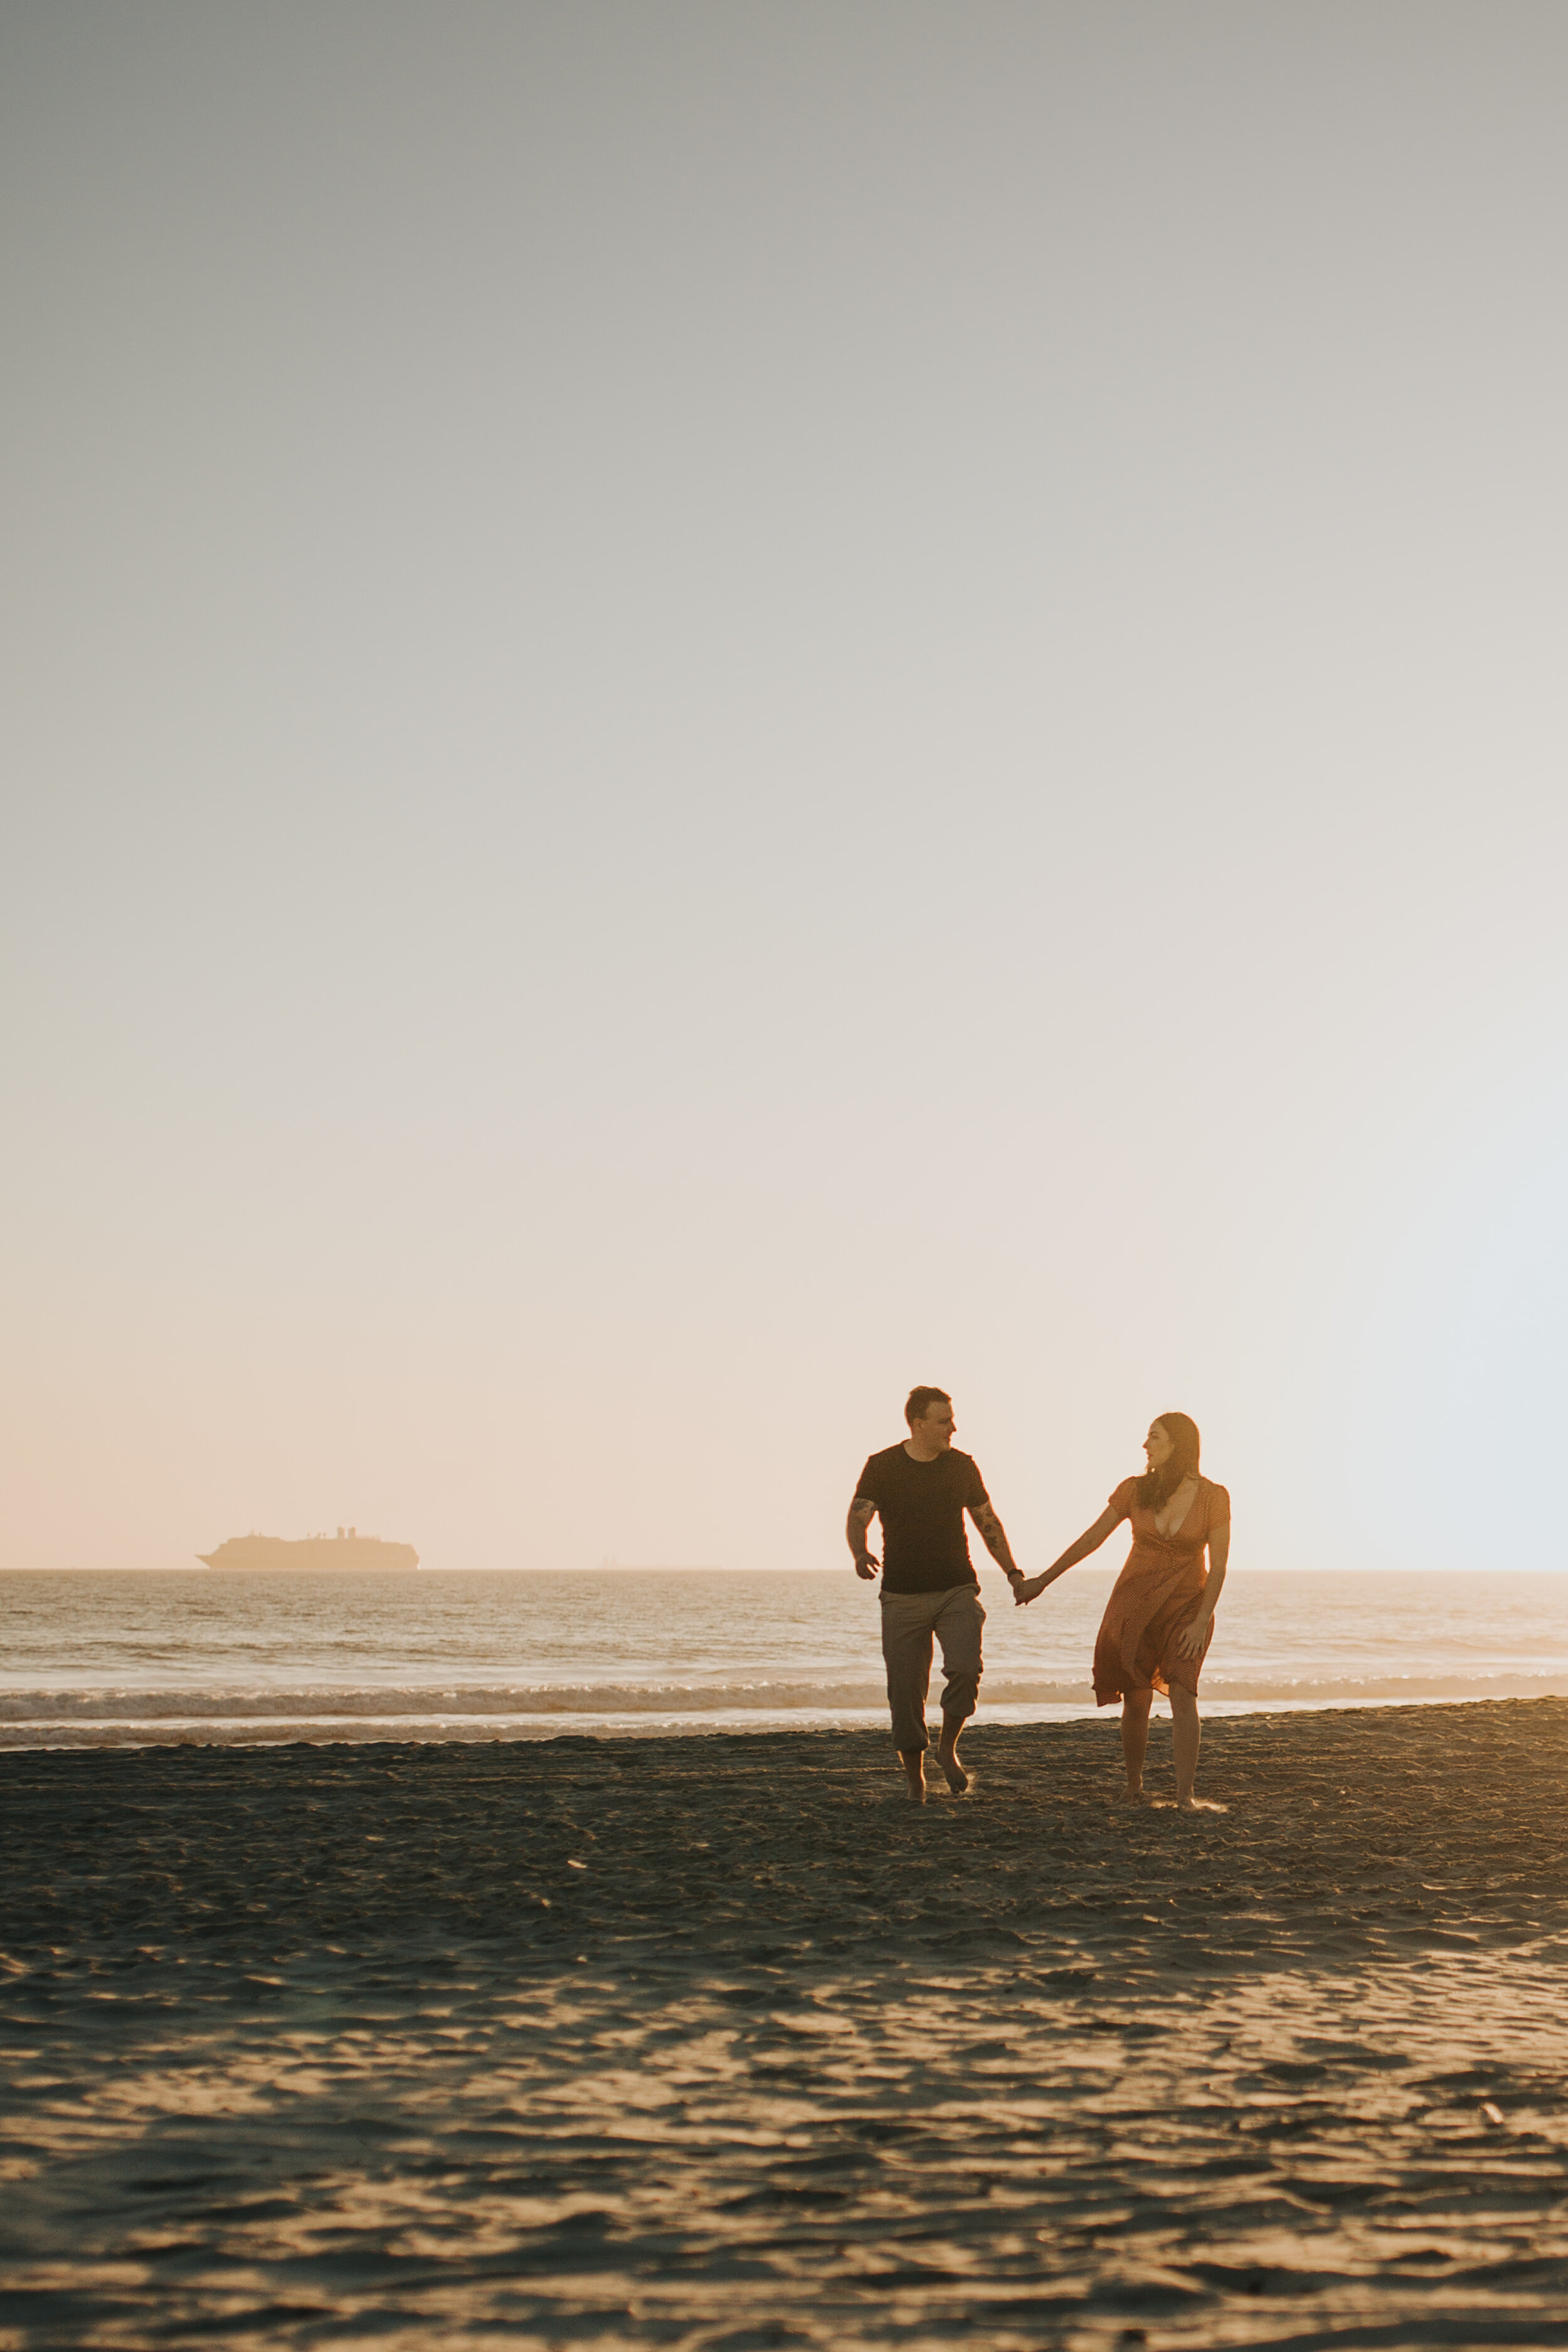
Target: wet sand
719,2042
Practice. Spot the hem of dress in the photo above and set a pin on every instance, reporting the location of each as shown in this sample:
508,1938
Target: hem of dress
1155,1690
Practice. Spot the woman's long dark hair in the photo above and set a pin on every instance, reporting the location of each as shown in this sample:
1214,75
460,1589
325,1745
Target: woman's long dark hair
1156,1486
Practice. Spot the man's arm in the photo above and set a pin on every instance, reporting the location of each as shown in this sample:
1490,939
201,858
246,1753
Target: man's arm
993,1535
861,1514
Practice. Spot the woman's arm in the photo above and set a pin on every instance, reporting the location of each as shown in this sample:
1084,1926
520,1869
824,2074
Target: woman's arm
1190,1642
1090,1540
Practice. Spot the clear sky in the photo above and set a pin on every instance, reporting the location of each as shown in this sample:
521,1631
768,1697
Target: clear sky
713,708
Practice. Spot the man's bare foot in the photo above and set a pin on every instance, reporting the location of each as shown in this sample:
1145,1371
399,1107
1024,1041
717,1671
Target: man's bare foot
953,1771
915,1776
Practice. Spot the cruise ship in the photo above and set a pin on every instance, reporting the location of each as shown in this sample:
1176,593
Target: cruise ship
347,1548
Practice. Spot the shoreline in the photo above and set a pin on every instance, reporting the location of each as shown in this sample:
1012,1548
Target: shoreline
75,1735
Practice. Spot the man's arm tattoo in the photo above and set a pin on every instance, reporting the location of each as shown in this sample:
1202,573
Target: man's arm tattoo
994,1536
861,1514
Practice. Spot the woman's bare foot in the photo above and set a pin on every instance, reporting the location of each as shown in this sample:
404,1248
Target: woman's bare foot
1130,1796
1029,1590
1191,1804
954,1773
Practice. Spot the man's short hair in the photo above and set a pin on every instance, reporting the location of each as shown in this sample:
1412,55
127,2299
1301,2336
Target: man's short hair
920,1401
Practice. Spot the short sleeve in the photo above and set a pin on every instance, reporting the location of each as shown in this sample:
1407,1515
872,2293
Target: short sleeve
976,1494
1219,1506
1122,1498
868,1484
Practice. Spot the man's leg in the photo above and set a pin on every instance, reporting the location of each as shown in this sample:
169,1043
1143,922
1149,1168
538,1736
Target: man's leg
958,1626
906,1649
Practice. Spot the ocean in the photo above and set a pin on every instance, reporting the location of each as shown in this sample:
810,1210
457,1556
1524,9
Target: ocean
93,1659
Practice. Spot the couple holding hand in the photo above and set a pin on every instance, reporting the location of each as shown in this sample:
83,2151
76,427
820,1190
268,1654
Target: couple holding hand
1158,1621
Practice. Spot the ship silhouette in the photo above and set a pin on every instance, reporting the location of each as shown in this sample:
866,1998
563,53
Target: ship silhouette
347,1550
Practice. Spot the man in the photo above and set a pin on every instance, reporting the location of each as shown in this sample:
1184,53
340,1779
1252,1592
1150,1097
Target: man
921,1490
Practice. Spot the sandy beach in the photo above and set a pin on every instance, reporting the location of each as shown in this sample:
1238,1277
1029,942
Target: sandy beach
719,2042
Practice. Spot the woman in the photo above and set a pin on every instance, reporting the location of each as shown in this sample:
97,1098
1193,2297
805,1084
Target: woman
1158,1620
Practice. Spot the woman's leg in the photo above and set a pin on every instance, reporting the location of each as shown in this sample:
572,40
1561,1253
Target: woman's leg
1135,1736
1186,1733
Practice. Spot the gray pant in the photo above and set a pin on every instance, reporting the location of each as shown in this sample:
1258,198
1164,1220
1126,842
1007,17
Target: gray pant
909,1622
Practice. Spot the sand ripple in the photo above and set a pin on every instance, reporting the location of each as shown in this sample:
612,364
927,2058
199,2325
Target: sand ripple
718,2045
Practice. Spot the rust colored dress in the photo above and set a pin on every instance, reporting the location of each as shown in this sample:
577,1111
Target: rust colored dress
1153,1598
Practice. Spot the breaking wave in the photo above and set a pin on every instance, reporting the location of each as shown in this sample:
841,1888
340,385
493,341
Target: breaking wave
231,1715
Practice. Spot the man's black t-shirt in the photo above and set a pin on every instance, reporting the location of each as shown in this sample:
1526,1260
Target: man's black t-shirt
925,1546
